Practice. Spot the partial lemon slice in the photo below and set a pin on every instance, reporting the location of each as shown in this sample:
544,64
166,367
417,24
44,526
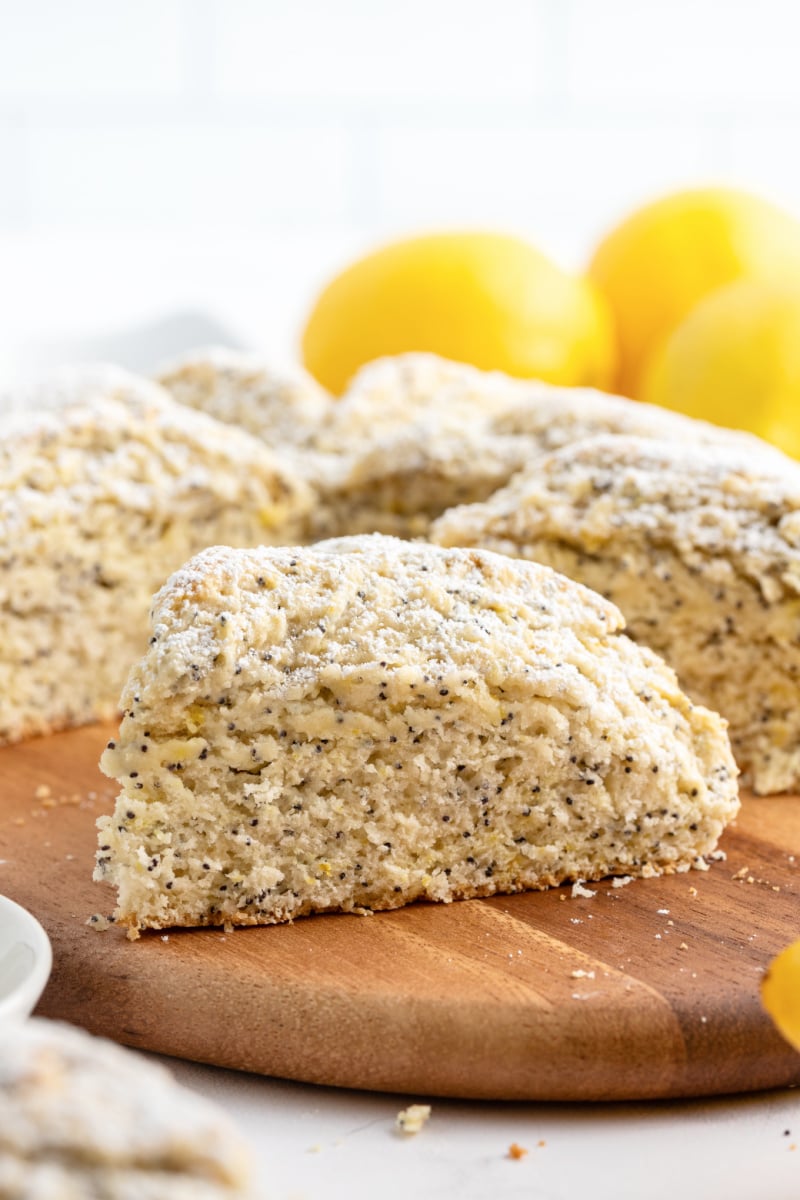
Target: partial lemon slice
780,993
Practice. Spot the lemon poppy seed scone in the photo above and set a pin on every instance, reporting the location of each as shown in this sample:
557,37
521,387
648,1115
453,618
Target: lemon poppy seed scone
699,547
390,394
83,1119
365,722
553,417
398,483
411,437
285,408
99,503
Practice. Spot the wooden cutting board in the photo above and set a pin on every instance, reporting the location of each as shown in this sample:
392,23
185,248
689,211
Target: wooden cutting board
642,991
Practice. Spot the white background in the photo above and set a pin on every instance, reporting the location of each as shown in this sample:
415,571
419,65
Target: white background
226,156
230,154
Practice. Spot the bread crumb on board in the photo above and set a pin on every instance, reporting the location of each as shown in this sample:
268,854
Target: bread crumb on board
579,890
516,1152
99,922
413,1118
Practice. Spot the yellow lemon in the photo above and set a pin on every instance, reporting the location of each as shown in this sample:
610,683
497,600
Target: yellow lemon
655,267
780,993
735,361
483,298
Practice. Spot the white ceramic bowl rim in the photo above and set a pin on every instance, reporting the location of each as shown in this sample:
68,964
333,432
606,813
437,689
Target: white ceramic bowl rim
25,950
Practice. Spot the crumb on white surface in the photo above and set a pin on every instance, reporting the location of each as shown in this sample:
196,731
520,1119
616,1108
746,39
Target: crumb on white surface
516,1152
413,1118
579,890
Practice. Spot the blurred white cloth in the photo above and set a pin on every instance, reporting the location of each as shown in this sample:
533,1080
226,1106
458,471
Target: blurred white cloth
140,300
142,348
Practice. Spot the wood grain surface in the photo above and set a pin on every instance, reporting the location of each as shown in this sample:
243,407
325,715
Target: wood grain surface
649,990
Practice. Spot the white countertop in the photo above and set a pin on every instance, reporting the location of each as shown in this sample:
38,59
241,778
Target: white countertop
315,1143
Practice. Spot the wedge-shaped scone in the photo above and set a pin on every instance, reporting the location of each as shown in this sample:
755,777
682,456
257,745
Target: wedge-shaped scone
417,434
700,549
366,722
389,395
394,397
556,416
398,483
411,437
99,503
83,1119
282,407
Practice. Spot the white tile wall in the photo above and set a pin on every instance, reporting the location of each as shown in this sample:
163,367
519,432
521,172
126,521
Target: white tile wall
551,116
409,52
709,56
14,180
766,154
546,176
179,173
